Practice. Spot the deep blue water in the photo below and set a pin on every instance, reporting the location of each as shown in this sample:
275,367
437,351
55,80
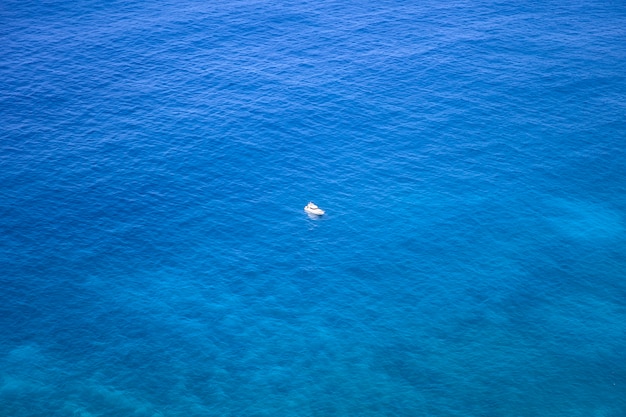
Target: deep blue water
155,158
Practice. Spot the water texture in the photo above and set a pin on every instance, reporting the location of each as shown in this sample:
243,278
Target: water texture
155,259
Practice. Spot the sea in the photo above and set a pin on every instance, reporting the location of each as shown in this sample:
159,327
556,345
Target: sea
156,157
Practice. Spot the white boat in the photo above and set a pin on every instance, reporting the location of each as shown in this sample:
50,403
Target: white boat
313,209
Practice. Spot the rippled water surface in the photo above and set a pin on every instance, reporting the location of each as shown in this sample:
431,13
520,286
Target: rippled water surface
155,259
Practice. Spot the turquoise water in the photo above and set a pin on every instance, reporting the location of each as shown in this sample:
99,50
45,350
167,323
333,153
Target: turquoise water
155,158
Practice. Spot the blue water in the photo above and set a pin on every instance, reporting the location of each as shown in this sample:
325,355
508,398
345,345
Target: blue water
155,158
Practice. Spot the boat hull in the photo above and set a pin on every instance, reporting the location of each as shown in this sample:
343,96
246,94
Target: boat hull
317,211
